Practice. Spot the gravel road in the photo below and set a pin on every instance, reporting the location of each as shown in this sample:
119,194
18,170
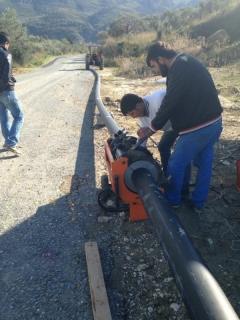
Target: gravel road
42,263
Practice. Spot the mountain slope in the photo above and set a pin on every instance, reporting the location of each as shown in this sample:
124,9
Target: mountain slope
229,21
80,19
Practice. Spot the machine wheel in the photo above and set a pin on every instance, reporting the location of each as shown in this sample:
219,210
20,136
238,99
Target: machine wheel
107,199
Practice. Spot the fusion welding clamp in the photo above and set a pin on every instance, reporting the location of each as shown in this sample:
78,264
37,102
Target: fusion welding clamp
125,154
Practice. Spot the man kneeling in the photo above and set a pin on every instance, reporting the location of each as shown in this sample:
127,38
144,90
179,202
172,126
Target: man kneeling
145,109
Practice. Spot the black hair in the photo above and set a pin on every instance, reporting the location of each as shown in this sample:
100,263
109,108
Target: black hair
4,37
128,102
159,49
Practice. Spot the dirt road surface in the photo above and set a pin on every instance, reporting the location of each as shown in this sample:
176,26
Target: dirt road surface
42,235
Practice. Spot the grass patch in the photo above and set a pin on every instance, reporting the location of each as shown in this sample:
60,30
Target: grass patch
227,80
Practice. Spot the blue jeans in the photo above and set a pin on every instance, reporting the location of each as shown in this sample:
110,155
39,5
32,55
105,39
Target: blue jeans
196,147
9,103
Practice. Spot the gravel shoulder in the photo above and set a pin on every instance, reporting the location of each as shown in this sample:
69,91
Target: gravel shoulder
140,271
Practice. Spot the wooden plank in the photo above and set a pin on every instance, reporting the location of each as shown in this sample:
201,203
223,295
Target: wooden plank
100,305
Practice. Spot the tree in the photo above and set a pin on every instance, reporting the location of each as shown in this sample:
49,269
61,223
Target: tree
126,25
19,41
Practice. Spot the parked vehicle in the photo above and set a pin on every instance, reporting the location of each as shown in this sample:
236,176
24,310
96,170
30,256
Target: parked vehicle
94,57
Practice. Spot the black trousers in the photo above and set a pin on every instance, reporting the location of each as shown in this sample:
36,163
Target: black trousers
165,145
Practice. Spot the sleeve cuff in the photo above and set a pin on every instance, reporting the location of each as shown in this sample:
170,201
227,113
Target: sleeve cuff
154,127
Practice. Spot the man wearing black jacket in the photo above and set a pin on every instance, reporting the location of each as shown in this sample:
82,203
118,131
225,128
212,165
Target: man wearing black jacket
9,102
191,104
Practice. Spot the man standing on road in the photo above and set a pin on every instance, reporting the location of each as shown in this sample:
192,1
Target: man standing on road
9,102
145,109
191,104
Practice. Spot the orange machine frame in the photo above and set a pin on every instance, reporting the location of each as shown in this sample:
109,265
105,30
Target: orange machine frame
117,168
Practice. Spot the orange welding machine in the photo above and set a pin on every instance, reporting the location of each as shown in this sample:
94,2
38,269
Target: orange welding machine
122,158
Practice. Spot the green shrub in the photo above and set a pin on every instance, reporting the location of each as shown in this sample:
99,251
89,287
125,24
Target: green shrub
132,67
223,56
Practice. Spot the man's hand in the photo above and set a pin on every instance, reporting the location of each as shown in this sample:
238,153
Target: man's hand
144,132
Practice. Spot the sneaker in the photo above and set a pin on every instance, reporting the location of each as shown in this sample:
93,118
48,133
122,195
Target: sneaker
13,149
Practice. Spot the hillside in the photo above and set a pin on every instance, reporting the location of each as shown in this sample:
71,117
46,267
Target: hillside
79,19
229,21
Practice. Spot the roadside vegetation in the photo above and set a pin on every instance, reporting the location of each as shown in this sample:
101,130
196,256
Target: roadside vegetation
32,51
209,31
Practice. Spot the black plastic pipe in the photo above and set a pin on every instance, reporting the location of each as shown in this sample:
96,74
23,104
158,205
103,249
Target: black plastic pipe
202,294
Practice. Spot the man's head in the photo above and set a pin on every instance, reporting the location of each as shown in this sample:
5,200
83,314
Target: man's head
4,40
132,105
159,58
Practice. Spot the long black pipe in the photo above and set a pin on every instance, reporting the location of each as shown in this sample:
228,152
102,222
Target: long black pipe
203,296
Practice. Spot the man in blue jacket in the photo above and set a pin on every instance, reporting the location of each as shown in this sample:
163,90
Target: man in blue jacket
191,104
9,103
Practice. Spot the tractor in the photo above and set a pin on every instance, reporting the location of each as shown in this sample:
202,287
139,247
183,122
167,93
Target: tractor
94,57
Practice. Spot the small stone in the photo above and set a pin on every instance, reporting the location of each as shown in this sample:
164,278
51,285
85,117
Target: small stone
122,214
142,267
150,309
175,306
104,219
107,99
210,242
226,163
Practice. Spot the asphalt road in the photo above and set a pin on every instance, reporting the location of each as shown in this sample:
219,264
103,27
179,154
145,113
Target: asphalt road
46,197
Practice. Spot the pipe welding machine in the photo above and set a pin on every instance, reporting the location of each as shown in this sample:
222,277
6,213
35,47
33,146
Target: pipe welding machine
124,154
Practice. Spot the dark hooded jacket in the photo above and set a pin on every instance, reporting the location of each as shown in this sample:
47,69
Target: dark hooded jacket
7,81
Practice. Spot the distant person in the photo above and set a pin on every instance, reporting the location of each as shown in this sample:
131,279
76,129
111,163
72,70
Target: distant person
145,109
9,103
191,104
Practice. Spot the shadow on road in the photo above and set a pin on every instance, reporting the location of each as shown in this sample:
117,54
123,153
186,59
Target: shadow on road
42,261
79,69
6,155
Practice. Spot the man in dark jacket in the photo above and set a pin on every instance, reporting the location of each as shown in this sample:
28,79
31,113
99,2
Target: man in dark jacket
191,104
9,102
